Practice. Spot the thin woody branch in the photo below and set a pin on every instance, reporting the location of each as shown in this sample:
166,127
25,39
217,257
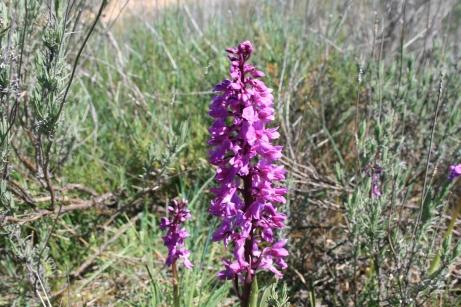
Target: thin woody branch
73,205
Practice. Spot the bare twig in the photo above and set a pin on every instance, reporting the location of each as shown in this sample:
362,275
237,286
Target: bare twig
74,204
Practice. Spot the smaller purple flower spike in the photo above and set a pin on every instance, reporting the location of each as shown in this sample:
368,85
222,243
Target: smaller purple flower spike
174,238
455,171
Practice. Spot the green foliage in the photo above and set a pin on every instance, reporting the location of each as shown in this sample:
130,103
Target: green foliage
134,127
275,295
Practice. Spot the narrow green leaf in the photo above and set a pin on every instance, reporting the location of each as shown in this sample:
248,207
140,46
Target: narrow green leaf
265,297
254,293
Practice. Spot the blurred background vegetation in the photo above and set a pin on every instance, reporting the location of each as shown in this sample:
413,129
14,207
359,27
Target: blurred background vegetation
356,84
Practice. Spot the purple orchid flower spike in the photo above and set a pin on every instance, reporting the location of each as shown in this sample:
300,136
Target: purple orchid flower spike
174,241
175,236
248,190
455,171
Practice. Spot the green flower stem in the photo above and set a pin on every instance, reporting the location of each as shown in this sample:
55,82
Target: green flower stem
175,285
254,293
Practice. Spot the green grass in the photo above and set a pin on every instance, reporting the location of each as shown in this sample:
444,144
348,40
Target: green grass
137,118
148,110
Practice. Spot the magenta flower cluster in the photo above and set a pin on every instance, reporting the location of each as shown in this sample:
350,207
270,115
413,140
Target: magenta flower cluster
455,171
247,191
174,238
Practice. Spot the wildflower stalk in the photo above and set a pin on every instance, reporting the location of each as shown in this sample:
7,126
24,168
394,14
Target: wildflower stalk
174,241
246,175
247,183
174,271
254,293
